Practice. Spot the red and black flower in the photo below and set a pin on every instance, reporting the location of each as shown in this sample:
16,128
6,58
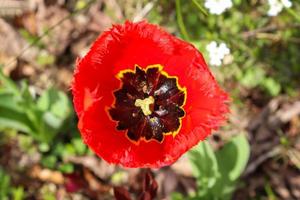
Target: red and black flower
145,97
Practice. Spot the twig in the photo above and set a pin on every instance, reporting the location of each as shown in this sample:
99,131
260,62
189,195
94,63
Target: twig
270,28
144,12
261,159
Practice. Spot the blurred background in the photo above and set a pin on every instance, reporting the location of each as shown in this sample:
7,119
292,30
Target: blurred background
253,49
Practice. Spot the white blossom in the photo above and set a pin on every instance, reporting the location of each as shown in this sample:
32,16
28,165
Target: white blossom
276,6
217,6
217,52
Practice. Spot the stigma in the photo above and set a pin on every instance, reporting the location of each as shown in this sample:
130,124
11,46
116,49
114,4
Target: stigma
144,104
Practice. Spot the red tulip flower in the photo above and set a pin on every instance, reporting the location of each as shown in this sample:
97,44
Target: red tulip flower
145,97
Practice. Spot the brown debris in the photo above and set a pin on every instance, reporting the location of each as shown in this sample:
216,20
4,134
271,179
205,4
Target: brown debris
12,44
100,168
46,175
266,128
275,157
10,8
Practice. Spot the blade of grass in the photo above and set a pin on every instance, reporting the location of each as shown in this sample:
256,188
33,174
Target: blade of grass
199,6
270,193
294,14
9,84
180,22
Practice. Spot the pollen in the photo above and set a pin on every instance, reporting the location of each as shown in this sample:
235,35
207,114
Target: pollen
144,104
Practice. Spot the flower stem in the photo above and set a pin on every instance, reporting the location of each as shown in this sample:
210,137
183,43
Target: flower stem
180,22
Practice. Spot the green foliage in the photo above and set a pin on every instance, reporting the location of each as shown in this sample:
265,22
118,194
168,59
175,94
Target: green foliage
66,168
47,193
32,39
55,155
256,77
45,59
271,86
265,51
7,191
269,191
42,118
217,173
18,193
4,185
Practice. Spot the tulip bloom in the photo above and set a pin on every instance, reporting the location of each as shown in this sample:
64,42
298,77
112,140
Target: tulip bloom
145,97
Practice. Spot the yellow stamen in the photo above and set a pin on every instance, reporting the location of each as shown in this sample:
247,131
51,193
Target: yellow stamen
144,104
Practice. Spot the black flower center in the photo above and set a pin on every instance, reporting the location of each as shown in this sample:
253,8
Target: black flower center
149,104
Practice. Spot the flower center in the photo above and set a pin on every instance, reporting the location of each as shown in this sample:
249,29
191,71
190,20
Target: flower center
145,105
149,104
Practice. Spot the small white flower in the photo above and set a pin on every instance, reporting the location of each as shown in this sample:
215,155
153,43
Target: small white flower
287,3
223,49
217,6
276,6
217,53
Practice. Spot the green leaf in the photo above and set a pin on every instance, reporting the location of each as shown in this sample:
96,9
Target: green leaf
56,102
204,164
80,146
47,99
177,196
66,168
232,160
80,4
233,157
44,147
237,2
271,86
53,109
27,97
252,77
18,193
69,150
217,173
4,184
8,100
59,149
52,121
16,120
45,59
16,110
62,106
49,161
26,144
8,84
